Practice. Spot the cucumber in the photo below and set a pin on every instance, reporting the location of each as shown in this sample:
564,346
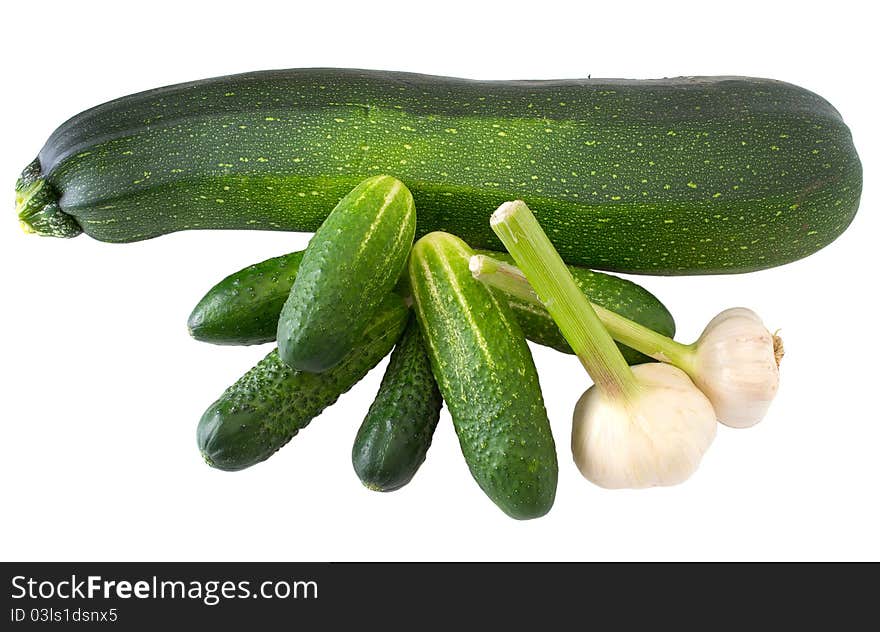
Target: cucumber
349,267
394,437
244,307
670,176
619,295
271,403
487,377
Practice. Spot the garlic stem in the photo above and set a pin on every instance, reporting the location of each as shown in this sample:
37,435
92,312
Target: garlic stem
735,361
511,280
530,247
646,340
505,277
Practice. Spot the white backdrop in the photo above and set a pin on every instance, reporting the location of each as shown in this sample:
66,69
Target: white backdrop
102,387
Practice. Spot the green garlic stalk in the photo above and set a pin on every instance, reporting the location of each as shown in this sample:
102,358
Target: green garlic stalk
735,361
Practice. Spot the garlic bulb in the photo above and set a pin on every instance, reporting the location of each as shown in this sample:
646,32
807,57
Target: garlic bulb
638,426
736,364
655,437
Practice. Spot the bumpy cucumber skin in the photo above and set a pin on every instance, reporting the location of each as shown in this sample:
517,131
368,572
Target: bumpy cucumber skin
672,176
485,372
243,308
267,406
619,295
350,265
394,437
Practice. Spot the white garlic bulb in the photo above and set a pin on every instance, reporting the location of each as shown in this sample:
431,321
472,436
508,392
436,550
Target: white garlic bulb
655,437
736,364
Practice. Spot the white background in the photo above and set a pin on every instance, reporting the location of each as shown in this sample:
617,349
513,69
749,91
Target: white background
102,387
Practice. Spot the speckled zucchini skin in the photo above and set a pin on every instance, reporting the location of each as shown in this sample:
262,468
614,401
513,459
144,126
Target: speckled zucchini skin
264,409
485,372
668,176
243,308
350,265
394,437
619,295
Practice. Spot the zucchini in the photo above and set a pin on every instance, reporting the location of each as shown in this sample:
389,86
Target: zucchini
487,377
349,267
244,307
271,403
394,437
669,176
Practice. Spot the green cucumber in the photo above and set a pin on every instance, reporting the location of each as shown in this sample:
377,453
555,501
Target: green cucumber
244,307
619,295
394,437
485,372
668,176
267,406
349,267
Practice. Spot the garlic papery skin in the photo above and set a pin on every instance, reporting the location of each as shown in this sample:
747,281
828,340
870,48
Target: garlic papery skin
736,364
656,436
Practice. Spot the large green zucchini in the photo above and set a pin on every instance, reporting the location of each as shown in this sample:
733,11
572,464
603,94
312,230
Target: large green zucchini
670,176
